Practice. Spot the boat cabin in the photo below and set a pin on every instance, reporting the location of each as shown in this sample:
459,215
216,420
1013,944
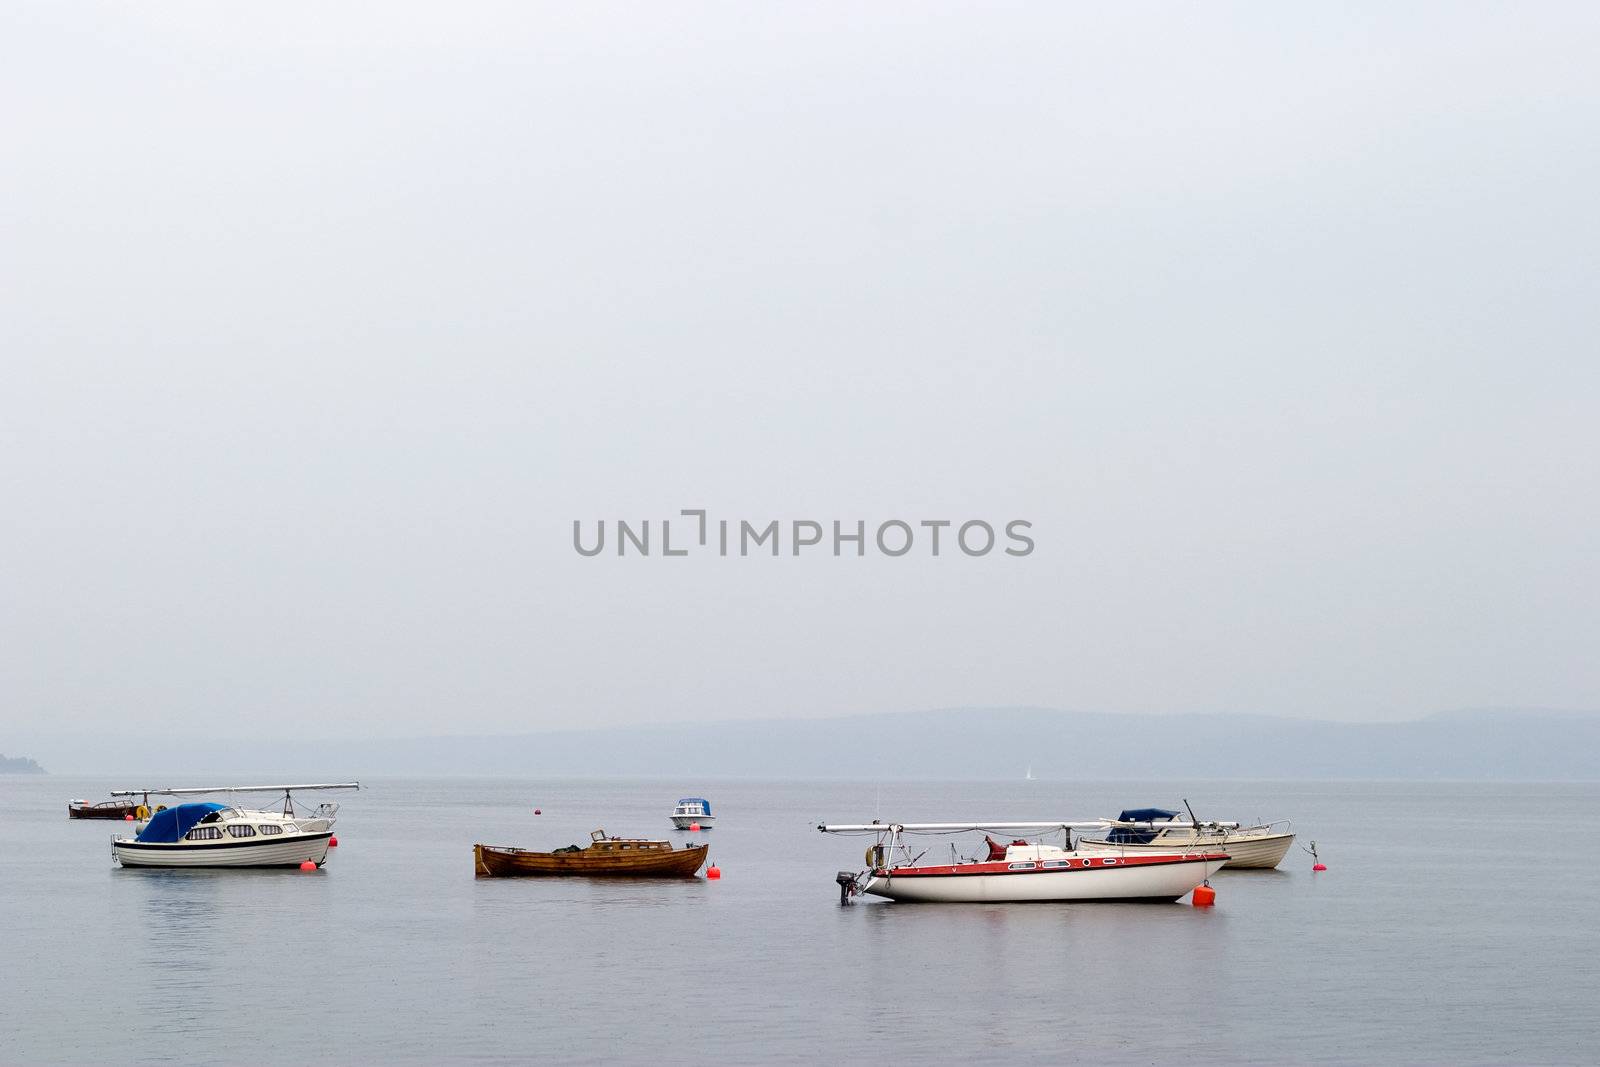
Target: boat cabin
696,806
599,842
1019,851
211,822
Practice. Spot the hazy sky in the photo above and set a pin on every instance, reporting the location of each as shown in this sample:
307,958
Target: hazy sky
321,323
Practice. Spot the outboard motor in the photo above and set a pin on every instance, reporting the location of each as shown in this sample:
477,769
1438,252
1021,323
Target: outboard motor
847,885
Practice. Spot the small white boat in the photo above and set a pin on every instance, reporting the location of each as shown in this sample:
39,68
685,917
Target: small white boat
693,811
1147,830
1021,870
209,834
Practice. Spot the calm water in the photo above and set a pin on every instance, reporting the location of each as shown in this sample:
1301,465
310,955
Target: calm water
1447,930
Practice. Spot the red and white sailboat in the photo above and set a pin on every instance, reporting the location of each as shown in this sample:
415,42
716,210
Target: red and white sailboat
1020,870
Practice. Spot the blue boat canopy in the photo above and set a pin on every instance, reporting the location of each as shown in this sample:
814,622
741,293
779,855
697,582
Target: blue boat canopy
1122,835
1147,815
705,805
170,825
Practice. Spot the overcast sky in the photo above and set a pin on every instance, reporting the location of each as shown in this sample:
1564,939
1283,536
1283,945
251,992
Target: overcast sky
321,323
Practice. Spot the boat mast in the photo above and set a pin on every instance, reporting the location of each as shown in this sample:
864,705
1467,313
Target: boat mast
192,791
286,790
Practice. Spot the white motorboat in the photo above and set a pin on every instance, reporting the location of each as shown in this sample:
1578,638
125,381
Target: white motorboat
1148,830
1019,871
693,811
208,834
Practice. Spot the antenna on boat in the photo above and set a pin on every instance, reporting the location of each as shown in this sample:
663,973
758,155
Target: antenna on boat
1191,813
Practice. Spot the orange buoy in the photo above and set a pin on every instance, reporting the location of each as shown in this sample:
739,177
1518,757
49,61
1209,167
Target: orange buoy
308,866
713,873
694,827
1204,896
1319,866
333,842
127,818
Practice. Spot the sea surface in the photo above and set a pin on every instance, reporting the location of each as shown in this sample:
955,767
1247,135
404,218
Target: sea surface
1457,923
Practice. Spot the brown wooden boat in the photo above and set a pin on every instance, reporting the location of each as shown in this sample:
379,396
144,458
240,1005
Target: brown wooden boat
605,857
106,809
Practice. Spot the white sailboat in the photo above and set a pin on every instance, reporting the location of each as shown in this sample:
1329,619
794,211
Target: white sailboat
1019,871
211,834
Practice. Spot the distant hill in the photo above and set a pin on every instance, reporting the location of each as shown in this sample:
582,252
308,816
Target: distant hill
1003,743
19,765
973,743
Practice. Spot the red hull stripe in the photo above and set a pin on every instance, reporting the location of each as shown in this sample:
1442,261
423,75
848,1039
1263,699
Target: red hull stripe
1094,863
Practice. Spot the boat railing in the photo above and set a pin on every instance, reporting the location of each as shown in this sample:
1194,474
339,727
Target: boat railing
1190,847
1262,829
1182,828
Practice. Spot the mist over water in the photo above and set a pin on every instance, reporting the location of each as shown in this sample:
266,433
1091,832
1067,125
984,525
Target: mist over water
1437,935
1276,323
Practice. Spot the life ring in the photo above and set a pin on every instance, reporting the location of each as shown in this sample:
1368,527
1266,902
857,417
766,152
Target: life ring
141,813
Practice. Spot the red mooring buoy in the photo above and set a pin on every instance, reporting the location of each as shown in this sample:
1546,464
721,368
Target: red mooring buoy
1204,896
694,827
127,818
308,866
713,873
333,842
1319,866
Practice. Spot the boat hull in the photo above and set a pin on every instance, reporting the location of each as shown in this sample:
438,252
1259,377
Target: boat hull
1151,879
683,822
492,861
99,811
286,851
1260,853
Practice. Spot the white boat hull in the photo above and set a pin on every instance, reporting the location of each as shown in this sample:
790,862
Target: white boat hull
1098,878
285,851
1258,852
683,822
